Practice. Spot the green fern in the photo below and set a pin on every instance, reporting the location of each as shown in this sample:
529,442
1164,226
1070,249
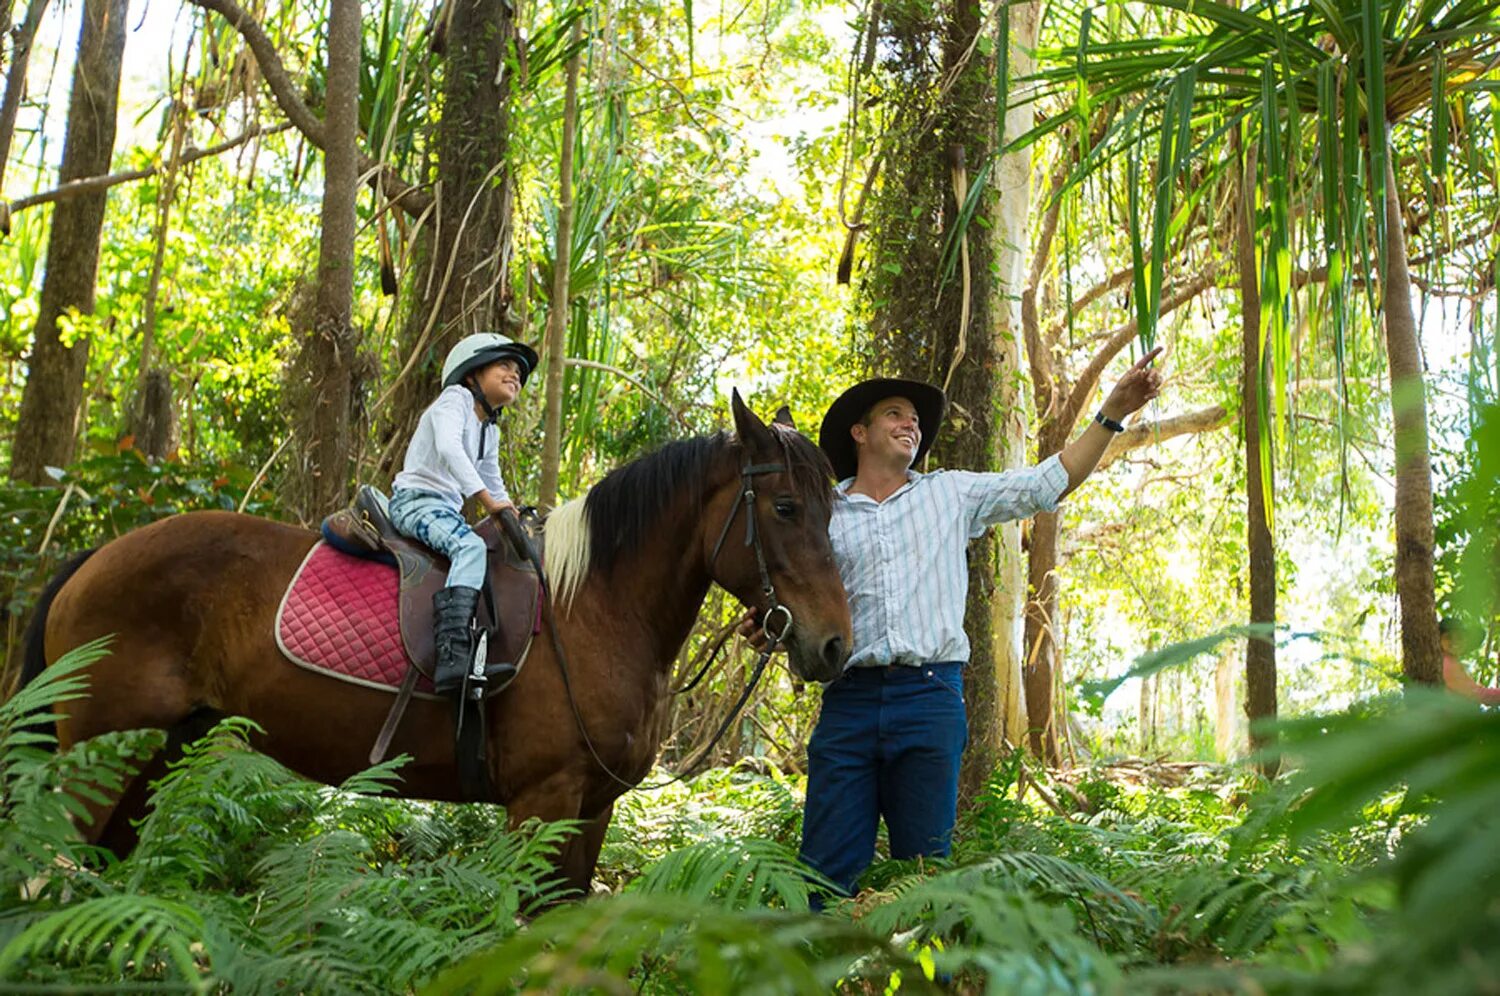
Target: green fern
669,943
735,874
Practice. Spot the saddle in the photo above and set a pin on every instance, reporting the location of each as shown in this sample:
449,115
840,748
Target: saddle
510,611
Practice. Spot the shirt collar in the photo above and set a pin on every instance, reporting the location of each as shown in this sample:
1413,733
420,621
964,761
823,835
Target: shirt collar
841,489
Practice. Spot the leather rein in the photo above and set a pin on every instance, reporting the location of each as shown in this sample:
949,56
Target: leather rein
775,613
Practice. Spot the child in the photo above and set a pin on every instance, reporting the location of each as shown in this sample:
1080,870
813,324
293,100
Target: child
450,460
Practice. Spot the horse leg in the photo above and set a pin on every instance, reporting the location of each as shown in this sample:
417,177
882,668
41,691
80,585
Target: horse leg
132,688
115,829
558,797
590,842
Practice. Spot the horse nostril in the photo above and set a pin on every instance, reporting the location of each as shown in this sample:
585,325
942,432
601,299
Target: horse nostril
833,651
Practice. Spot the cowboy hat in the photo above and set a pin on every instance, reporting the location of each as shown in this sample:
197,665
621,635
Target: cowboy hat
852,405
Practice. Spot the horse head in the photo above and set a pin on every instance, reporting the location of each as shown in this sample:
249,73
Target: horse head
778,558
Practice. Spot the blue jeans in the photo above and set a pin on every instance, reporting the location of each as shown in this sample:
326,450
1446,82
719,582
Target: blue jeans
887,744
429,519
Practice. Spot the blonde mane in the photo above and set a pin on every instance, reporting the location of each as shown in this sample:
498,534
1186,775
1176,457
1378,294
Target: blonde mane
567,536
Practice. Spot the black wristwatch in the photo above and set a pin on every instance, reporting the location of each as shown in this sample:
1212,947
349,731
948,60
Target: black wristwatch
1108,422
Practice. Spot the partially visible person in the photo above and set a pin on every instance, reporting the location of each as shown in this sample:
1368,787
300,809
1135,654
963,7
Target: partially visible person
1457,641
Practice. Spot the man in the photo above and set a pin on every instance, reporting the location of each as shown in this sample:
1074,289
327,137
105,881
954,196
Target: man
892,729
1458,640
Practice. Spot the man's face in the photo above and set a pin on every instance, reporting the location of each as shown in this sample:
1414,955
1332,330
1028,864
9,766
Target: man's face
889,433
500,382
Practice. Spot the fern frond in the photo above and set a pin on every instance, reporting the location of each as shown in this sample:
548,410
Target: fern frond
608,945
137,936
733,873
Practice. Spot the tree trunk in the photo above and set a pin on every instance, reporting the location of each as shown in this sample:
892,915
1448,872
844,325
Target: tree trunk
47,428
1421,654
1004,721
1260,654
24,34
323,385
951,341
557,315
460,270
153,417
1041,616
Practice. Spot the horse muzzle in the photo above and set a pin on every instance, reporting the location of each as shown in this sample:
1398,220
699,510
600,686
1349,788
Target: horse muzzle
819,658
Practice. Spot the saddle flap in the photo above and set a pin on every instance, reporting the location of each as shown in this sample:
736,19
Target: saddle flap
513,585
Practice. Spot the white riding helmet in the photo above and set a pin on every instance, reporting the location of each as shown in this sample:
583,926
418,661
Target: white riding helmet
483,348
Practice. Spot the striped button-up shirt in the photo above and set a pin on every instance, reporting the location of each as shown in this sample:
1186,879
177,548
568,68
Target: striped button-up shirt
905,562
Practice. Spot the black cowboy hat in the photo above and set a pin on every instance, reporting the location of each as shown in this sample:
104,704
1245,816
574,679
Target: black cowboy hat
929,401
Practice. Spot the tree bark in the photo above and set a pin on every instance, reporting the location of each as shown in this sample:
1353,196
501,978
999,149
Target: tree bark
24,34
1260,654
942,125
1421,653
47,428
460,271
562,264
325,389
153,417
992,726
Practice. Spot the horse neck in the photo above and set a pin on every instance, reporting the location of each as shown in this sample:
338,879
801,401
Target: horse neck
660,588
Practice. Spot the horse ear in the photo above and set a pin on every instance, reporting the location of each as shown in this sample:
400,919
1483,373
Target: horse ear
746,424
784,417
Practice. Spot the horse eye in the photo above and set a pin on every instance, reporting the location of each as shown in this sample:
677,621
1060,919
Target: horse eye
785,508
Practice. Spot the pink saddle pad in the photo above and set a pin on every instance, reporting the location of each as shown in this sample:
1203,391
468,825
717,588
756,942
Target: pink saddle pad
341,615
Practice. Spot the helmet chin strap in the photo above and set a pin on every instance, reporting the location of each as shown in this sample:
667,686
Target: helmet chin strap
491,414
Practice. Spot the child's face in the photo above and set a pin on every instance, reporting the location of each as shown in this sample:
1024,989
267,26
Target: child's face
500,382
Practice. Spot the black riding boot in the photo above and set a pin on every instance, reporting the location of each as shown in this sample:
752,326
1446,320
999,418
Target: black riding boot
453,610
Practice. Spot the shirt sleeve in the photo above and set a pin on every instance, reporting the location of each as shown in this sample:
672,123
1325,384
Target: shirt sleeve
1013,494
448,414
489,466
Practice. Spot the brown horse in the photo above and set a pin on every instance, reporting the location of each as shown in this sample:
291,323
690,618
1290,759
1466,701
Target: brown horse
191,601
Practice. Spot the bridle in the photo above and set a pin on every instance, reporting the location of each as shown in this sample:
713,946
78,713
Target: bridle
774,610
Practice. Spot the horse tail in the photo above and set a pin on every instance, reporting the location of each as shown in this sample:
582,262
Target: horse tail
36,631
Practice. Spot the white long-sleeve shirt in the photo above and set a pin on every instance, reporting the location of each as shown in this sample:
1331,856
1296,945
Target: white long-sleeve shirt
443,456
905,563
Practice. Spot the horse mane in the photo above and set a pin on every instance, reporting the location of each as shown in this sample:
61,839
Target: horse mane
618,515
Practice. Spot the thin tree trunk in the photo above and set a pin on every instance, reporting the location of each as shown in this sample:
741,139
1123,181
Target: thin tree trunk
152,415
325,367
1041,641
992,725
1260,654
47,428
1421,654
557,315
23,36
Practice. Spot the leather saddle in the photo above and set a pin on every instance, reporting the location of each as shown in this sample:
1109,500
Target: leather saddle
510,611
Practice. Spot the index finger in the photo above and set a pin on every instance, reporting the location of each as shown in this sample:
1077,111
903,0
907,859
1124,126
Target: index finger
1145,361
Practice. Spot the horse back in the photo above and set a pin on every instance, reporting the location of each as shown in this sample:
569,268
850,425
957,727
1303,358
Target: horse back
185,589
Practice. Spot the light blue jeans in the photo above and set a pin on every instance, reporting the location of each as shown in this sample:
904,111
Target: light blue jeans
429,519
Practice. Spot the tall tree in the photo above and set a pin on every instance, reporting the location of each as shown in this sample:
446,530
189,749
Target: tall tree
47,430
1260,653
325,391
1010,220
464,251
940,290
557,313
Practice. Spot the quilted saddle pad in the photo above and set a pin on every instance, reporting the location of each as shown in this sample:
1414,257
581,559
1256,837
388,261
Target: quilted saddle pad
341,616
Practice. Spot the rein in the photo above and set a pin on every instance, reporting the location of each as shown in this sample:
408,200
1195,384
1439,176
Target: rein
775,611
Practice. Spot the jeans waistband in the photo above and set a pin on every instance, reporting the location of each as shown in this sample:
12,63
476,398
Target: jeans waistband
896,672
